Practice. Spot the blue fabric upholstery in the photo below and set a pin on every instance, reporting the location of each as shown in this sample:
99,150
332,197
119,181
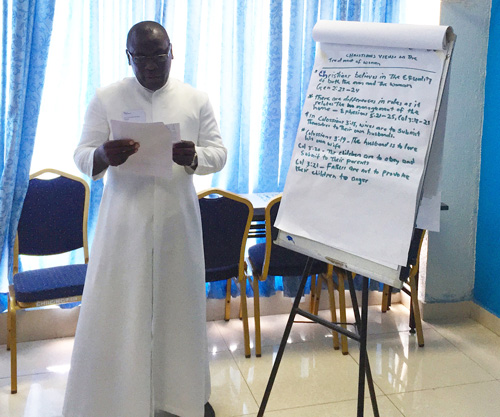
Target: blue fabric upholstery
223,222
284,262
50,283
52,216
51,223
221,273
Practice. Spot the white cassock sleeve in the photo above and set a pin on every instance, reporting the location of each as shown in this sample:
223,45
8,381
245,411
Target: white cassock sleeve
210,149
95,132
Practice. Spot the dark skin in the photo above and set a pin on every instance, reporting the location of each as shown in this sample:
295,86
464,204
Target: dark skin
145,39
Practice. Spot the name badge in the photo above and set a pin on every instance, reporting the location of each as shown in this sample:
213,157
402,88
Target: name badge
137,116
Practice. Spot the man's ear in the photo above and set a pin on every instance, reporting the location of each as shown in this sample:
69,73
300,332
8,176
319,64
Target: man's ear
128,56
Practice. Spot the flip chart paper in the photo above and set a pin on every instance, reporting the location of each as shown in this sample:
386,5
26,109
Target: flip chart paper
426,217
154,157
387,35
363,140
429,211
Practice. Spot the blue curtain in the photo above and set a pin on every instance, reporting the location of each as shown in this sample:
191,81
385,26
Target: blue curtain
22,77
290,53
71,70
254,58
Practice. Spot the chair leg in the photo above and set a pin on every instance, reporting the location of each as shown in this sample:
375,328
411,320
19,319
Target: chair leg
416,310
343,316
8,323
13,349
317,297
385,298
227,311
313,293
243,305
256,308
333,310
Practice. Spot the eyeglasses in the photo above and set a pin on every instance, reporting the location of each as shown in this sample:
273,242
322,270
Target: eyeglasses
141,59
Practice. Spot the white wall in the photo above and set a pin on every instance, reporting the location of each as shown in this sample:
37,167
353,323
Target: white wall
420,12
451,256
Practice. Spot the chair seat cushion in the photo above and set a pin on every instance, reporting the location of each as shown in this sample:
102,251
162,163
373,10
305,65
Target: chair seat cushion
221,273
284,262
50,283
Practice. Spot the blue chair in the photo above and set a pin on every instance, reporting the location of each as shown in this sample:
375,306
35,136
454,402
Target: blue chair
226,219
268,259
53,221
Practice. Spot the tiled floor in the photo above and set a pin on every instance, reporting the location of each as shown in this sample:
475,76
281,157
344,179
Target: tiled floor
456,374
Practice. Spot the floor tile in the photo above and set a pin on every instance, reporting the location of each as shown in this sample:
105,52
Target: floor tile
215,341
308,374
456,374
230,393
36,357
476,341
394,320
272,328
471,400
339,409
38,395
399,365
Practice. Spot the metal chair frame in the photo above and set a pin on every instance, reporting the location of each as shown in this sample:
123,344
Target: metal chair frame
242,276
13,305
314,291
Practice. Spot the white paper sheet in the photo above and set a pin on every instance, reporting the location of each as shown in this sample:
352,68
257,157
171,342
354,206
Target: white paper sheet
387,35
429,211
154,157
362,143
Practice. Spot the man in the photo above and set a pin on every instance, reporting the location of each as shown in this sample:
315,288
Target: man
140,346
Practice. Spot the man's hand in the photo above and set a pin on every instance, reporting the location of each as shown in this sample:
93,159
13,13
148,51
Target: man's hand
183,153
114,153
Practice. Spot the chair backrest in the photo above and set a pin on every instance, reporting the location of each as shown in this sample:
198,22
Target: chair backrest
288,260
226,219
54,216
273,207
271,213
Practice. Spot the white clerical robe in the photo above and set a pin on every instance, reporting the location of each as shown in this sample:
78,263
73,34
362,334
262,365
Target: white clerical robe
140,343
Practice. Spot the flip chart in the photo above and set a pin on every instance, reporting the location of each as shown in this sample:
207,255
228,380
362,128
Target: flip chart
364,138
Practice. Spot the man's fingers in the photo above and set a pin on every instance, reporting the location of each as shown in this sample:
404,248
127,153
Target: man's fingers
183,144
183,160
124,146
122,150
183,149
183,156
116,160
119,142
183,152
116,152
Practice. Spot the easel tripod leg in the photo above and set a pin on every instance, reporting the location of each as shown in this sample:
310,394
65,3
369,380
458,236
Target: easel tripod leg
364,363
284,339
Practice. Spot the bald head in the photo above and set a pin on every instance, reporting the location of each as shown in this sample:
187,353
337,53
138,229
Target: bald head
146,29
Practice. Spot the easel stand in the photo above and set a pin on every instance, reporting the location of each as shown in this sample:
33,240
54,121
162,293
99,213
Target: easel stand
360,336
